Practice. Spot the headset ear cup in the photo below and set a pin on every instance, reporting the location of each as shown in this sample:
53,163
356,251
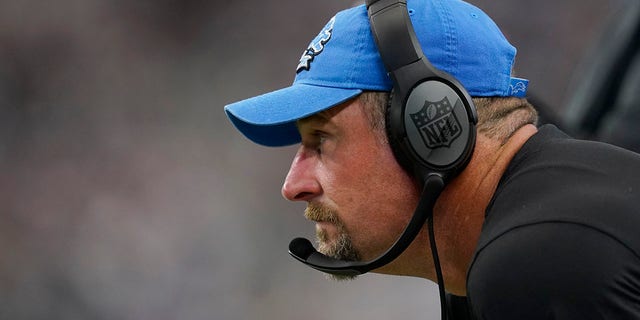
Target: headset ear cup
431,129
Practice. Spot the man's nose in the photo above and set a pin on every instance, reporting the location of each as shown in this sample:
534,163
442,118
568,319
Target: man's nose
301,183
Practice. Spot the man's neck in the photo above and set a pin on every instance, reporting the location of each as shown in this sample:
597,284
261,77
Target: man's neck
459,212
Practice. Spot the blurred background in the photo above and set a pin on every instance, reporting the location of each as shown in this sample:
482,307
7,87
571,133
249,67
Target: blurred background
126,194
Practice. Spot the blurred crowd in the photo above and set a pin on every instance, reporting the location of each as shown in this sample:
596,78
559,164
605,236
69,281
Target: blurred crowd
125,193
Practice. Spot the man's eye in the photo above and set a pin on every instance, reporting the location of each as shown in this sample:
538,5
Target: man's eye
319,141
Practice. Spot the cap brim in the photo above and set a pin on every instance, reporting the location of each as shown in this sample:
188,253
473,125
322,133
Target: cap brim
270,119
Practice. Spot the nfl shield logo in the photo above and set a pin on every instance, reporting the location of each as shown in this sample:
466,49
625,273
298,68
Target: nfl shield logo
437,123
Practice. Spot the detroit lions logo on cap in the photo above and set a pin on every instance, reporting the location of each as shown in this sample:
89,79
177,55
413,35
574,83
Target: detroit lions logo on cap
316,46
518,87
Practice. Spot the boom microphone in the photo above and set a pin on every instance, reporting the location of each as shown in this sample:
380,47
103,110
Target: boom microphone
303,250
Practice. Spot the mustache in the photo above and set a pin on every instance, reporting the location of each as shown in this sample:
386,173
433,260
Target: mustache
316,212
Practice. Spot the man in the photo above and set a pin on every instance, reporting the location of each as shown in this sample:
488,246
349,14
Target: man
536,226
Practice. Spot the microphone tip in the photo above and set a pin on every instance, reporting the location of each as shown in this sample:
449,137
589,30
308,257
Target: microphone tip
301,248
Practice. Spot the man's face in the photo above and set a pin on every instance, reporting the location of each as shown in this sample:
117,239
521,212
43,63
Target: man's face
358,195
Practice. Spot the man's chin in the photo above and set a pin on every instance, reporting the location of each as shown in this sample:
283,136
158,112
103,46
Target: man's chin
339,251
341,277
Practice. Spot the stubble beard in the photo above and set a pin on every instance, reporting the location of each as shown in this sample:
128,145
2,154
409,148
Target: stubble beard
340,248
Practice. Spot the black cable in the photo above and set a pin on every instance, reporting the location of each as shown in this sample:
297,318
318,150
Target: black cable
436,263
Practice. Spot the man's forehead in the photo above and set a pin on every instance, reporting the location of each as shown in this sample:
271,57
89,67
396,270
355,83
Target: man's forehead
316,121
323,117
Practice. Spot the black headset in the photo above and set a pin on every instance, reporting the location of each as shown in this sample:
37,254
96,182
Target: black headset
431,126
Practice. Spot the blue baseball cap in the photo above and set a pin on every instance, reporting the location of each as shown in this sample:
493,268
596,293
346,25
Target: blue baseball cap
342,61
